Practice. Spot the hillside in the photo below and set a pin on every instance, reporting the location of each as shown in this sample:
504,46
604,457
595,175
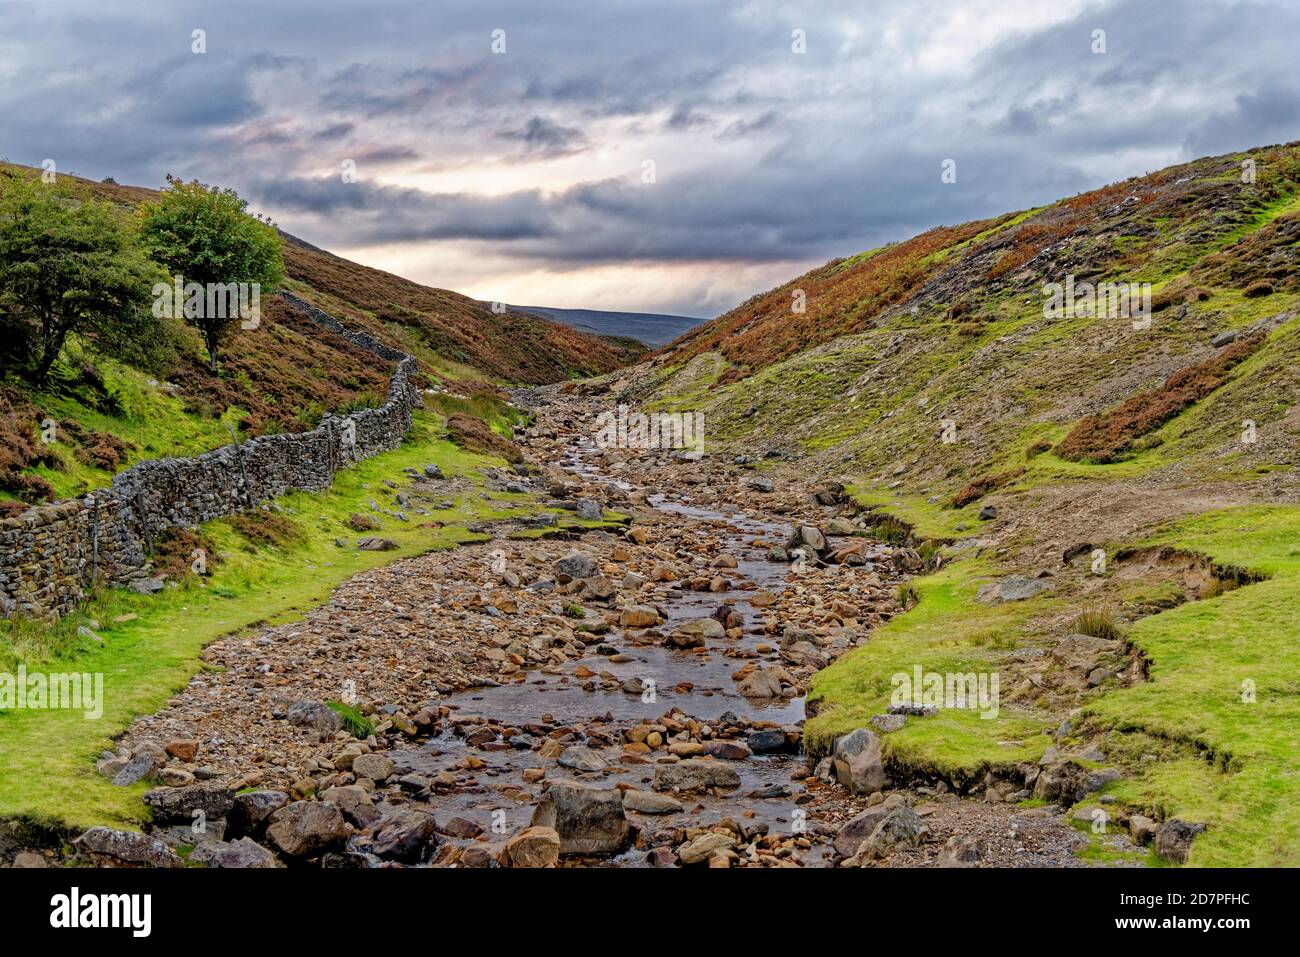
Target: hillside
113,411
653,328
1141,477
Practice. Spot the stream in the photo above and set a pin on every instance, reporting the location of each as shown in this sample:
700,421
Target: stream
697,682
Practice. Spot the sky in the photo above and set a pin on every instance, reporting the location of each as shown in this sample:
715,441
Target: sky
674,156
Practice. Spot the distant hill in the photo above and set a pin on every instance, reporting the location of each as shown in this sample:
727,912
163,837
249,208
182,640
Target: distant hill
653,328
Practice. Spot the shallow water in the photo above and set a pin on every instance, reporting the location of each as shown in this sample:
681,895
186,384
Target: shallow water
558,699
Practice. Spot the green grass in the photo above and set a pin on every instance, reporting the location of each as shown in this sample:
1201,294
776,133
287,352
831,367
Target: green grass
47,772
928,520
354,722
1246,782
947,631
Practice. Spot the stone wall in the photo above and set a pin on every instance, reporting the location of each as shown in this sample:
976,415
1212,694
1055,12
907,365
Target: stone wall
51,556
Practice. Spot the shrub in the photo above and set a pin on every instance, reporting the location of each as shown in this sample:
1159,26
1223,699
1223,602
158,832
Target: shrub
887,528
1110,435
1260,287
978,488
266,529
1097,622
474,434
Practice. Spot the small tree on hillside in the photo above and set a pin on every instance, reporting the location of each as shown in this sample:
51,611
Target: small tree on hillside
206,236
69,264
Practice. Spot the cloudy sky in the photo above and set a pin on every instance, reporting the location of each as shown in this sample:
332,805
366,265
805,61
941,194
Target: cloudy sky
676,155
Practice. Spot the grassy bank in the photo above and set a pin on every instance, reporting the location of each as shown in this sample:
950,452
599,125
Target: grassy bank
1191,741
47,772
1243,778
947,632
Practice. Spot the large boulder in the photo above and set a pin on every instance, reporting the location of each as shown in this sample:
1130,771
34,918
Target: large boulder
809,538
582,759
252,809
355,803
575,565
405,835
695,633
589,820
694,774
857,762
244,854
901,827
106,847
316,715
760,683
306,828
177,805
1012,588
1174,838
858,828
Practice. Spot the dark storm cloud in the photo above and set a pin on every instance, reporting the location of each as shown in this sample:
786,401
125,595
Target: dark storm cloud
760,154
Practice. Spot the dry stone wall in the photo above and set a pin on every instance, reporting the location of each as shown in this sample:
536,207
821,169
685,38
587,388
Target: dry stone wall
51,556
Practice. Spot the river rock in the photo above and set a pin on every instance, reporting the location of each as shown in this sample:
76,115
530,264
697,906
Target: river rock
574,566
107,847
901,827
858,828
587,510
582,759
244,854
694,634
376,767
405,835
355,804
638,616
807,537
760,683
534,847
705,846
316,715
694,774
172,805
767,741
252,809
589,820
648,802
306,828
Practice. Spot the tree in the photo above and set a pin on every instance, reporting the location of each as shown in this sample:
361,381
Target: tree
206,236
69,264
